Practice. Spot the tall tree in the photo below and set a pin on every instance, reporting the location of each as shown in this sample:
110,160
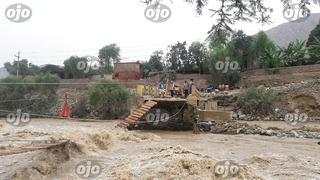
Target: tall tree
240,49
260,44
25,68
109,54
71,69
197,56
177,57
218,39
226,75
294,54
313,45
156,61
271,58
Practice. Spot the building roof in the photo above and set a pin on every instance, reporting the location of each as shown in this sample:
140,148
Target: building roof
128,63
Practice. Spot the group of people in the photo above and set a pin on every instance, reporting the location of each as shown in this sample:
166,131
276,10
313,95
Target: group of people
176,90
220,87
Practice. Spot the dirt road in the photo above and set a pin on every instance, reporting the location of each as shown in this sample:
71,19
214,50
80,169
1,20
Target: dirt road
119,154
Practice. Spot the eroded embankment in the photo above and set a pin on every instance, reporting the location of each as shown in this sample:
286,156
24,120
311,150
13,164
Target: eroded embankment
233,128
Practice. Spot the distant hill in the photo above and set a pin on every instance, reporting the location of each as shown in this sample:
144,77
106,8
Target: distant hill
285,33
3,72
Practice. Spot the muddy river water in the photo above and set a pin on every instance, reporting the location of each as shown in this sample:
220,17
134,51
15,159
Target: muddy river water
119,154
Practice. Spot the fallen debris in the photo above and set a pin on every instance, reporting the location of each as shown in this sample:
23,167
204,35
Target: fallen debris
233,128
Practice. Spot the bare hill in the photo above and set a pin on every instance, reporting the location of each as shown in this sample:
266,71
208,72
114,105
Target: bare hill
285,33
3,72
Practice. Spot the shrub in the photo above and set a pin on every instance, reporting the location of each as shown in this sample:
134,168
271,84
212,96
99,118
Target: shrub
231,77
294,54
81,108
259,101
27,95
271,59
109,99
227,75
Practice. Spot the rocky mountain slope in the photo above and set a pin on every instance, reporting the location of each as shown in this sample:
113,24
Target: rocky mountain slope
285,33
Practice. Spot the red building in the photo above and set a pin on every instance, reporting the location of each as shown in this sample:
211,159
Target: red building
127,71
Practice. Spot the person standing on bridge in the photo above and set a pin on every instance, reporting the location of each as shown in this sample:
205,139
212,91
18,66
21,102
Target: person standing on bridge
161,89
186,89
172,86
191,86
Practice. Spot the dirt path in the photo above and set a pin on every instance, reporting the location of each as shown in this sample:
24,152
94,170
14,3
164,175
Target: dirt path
148,155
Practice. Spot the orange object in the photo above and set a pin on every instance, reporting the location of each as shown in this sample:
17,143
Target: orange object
66,110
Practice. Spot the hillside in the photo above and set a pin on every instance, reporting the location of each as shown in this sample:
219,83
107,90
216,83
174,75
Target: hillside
285,33
3,72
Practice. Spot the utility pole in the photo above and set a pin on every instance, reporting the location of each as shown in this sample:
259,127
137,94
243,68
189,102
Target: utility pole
18,56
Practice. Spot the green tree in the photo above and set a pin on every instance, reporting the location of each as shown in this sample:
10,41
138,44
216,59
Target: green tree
294,54
146,69
25,68
31,94
177,57
271,58
197,55
71,69
240,49
313,44
109,99
109,54
156,61
257,101
219,39
259,46
53,69
227,75
314,52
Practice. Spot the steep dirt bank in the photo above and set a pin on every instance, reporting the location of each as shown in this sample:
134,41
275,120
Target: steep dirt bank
280,76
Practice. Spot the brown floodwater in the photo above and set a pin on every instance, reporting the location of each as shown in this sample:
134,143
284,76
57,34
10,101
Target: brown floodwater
153,154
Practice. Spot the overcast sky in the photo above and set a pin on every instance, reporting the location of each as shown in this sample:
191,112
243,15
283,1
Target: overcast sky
59,29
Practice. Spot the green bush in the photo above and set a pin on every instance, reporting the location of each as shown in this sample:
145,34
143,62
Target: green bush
231,78
81,108
109,99
258,101
29,94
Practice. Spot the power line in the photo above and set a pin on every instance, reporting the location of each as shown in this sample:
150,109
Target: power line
94,49
18,100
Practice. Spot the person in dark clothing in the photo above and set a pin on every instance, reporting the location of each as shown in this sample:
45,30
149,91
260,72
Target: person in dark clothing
172,86
186,89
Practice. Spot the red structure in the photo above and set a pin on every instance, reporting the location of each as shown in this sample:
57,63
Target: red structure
127,71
